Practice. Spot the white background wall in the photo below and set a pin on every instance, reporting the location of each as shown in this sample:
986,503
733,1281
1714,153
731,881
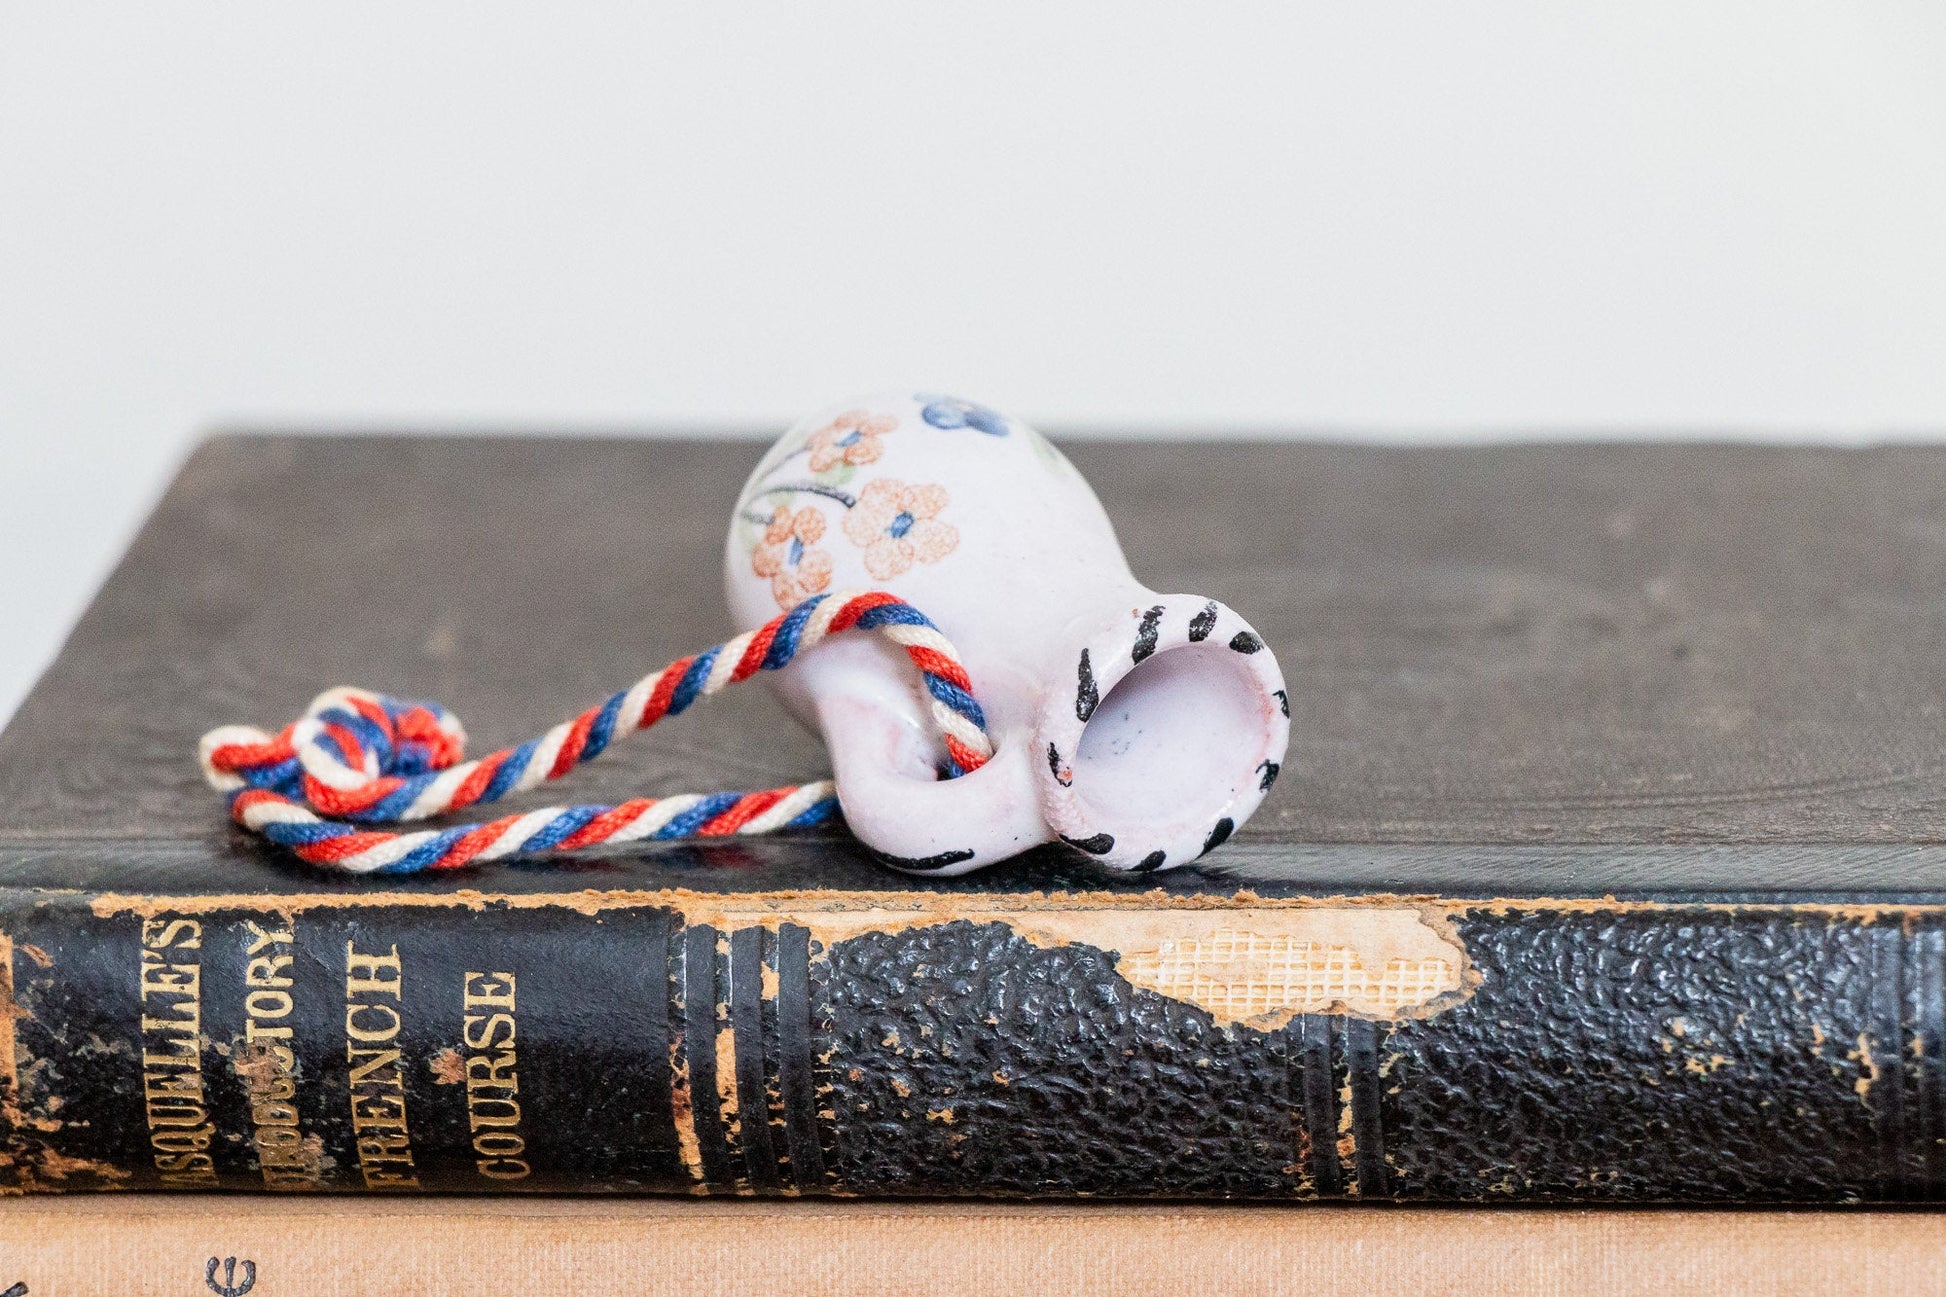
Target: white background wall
1400,221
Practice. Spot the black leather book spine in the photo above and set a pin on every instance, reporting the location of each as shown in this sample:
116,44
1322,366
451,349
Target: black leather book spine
585,1042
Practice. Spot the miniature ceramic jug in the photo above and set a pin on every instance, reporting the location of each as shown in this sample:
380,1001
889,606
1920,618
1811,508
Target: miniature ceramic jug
1141,728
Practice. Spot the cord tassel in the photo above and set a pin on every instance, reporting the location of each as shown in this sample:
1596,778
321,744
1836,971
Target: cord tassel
358,758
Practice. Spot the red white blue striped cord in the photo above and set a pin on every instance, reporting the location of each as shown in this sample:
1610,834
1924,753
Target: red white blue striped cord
358,758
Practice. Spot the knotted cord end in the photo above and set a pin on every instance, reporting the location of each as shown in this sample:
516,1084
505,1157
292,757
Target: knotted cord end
356,757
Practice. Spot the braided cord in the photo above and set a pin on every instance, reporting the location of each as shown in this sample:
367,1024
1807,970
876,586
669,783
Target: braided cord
357,758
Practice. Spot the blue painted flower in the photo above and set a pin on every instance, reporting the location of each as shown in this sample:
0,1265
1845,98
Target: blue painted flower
951,412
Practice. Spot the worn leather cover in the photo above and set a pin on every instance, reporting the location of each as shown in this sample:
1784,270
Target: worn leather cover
1604,867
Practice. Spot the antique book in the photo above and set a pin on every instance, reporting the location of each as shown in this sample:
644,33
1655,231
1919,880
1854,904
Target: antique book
1606,866
157,1245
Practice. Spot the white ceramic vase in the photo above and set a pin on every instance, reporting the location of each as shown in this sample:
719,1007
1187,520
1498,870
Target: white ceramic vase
1141,728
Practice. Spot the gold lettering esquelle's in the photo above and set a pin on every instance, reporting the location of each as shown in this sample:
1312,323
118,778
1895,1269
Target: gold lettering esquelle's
174,1099
374,986
492,1076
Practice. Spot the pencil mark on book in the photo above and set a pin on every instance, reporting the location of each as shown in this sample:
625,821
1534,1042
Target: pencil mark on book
230,1287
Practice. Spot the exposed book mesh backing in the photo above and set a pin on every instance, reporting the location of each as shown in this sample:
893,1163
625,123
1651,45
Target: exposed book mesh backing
1241,976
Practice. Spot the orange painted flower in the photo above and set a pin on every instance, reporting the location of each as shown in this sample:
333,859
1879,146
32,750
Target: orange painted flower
851,438
786,555
898,525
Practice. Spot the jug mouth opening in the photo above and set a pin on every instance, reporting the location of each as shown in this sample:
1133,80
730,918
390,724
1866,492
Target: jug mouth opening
1172,733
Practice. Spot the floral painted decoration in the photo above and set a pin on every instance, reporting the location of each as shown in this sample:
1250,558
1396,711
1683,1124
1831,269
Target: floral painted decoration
951,412
851,438
786,554
898,525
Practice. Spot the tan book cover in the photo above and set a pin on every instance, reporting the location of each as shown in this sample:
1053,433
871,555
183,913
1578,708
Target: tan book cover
135,1245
